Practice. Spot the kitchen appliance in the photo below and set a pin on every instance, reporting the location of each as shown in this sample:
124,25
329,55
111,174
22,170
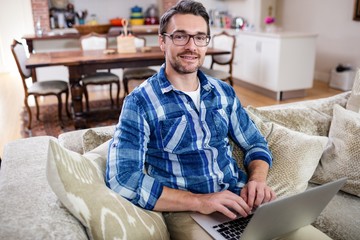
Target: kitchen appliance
238,23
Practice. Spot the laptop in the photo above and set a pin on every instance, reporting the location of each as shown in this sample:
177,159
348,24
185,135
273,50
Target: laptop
272,219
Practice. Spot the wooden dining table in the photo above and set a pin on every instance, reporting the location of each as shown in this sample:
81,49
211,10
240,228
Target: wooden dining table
81,62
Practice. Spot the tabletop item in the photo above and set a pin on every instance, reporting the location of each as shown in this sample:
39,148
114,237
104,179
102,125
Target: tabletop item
125,42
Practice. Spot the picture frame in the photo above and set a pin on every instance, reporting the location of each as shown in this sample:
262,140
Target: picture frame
356,16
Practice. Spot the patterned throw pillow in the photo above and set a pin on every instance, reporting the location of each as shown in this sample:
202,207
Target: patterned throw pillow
354,101
78,181
295,156
341,157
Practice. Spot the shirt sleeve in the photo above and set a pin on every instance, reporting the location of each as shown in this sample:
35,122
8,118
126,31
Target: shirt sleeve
245,133
125,170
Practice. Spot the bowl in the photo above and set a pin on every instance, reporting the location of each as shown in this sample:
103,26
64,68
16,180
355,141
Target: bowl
134,22
97,28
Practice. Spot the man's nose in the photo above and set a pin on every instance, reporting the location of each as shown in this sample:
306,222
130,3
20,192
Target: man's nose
191,42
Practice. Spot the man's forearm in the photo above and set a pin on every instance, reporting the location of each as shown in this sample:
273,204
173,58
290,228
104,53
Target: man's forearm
258,171
175,200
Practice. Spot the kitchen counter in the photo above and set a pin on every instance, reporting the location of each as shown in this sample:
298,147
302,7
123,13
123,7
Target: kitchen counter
272,34
72,34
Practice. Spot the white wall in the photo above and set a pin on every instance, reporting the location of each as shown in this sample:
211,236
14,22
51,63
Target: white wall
338,35
108,9
15,21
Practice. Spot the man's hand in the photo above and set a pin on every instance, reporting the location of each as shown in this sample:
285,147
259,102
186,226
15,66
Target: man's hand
223,202
256,191
226,202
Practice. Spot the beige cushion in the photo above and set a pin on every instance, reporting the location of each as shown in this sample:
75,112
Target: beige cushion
341,157
298,118
78,181
295,155
354,101
92,138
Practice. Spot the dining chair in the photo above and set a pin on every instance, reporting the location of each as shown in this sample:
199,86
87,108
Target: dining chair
138,73
94,41
225,41
39,88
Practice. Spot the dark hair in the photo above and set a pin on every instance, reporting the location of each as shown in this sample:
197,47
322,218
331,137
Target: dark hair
184,7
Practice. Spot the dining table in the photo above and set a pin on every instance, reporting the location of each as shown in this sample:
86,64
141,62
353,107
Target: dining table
80,62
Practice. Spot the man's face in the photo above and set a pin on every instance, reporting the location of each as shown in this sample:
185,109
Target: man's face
188,58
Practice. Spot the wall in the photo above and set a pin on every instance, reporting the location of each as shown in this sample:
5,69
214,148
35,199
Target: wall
338,35
105,10
15,21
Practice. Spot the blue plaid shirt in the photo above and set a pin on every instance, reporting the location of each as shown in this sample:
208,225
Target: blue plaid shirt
163,140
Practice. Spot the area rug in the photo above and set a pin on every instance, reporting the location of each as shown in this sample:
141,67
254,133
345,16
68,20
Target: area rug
49,123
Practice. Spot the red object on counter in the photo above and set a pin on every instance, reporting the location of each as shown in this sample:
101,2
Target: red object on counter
116,22
151,21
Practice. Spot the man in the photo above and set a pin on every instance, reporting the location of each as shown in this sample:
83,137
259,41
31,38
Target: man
171,151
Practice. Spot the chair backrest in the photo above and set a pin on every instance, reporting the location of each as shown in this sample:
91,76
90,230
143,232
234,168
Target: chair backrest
93,41
224,41
140,42
19,53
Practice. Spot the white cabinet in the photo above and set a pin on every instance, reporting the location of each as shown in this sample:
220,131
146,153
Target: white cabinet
279,62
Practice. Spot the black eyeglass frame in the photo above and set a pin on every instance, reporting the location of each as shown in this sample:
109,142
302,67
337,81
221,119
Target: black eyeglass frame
208,38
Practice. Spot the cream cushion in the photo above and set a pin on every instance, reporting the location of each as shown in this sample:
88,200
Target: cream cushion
298,118
354,101
295,156
341,157
91,139
78,181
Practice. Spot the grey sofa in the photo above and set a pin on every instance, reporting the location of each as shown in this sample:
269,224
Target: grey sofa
31,210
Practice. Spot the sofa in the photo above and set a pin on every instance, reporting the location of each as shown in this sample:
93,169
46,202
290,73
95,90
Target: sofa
52,188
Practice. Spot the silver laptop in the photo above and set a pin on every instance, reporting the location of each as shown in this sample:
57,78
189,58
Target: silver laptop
272,219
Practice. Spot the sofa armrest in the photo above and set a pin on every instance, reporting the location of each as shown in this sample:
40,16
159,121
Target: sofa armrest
74,140
29,208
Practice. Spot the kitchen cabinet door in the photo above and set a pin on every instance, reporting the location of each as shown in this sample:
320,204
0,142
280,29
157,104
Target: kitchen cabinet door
256,61
268,64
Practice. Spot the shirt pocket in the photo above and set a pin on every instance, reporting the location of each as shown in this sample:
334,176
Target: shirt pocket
220,123
176,135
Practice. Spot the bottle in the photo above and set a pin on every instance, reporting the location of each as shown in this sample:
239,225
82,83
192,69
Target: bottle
38,29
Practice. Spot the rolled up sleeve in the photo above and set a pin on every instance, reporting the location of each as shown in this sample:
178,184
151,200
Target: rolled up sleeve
125,170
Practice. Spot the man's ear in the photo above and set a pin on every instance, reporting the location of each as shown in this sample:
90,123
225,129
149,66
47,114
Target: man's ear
161,42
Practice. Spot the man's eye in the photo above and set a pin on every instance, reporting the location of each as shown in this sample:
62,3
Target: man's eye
200,37
179,36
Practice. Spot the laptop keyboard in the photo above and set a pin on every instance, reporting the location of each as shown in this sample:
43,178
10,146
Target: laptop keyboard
234,228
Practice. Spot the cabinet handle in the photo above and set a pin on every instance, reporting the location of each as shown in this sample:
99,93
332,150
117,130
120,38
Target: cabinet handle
258,46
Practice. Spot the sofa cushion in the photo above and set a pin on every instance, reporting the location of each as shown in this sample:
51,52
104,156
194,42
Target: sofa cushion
340,219
29,208
354,101
299,118
78,181
295,156
341,157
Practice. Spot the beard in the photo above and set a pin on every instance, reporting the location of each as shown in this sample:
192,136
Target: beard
182,68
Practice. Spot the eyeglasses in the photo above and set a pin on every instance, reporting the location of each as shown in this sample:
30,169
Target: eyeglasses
181,39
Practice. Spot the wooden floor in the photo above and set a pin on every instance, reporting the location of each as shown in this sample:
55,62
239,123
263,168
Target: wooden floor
11,102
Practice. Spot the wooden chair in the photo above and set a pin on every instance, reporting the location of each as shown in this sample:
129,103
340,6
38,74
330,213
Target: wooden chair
224,41
38,88
139,74
94,41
